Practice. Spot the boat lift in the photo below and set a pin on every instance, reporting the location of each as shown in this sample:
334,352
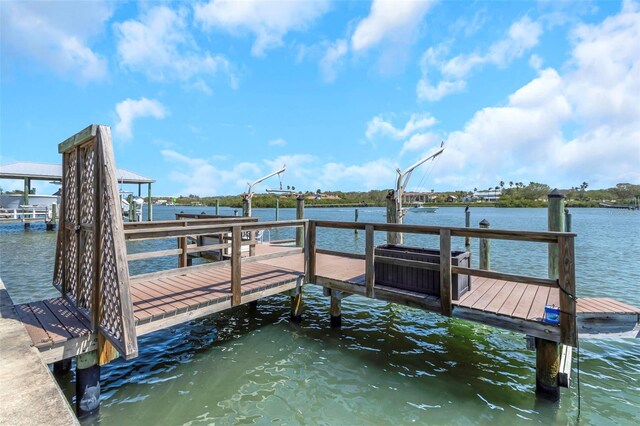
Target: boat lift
403,181
246,198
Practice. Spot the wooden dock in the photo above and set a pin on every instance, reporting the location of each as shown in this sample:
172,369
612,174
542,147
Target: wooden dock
103,310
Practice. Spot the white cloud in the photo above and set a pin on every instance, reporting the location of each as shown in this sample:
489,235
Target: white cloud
269,21
396,21
277,142
56,34
522,35
378,126
562,128
420,142
372,174
130,110
332,58
159,44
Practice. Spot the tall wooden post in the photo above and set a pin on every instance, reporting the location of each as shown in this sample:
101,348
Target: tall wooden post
54,217
547,353
246,205
277,209
299,215
467,223
132,208
445,272
139,190
149,204
217,207
567,220
485,248
87,384
393,238
556,223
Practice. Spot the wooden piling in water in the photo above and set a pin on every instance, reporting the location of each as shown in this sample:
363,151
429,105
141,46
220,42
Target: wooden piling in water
217,207
467,223
485,248
392,217
277,209
87,384
299,215
547,368
149,204
355,219
335,311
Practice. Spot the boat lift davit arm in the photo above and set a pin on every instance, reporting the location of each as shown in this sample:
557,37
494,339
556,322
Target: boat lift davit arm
403,180
254,184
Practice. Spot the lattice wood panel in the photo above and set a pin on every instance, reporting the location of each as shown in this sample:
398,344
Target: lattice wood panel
91,268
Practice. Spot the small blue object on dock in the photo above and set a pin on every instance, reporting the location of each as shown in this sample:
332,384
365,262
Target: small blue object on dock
552,314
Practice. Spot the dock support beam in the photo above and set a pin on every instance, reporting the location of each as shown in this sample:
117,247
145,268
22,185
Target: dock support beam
299,216
87,384
392,217
547,368
485,248
296,305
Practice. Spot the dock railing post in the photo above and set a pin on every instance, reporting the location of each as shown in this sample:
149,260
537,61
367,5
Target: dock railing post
393,238
556,223
485,248
236,271
299,216
310,253
445,272
132,208
370,276
183,256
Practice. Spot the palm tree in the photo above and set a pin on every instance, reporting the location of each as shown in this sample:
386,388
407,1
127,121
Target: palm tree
510,183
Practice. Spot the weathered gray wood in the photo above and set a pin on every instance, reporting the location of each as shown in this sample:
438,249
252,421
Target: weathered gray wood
495,234
236,271
547,368
485,248
183,256
370,275
564,375
467,224
188,222
567,284
556,223
445,272
209,247
127,345
393,237
310,250
299,216
153,254
532,328
79,138
341,254
520,279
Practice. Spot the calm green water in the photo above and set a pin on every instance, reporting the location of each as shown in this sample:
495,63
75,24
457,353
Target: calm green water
387,365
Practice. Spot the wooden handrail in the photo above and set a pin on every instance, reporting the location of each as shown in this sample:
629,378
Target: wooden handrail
186,222
497,234
180,231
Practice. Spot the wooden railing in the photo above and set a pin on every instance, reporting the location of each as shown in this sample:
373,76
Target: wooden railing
182,232
566,264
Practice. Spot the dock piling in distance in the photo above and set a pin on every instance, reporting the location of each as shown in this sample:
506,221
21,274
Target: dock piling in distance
393,238
217,207
467,224
485,248
277,209
299,215
355,219
335,310
51,225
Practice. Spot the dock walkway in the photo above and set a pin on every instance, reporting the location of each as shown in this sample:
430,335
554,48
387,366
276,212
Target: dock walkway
28,390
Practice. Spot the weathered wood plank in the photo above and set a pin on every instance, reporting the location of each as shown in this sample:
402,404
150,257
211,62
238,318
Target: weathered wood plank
445,272
35,329
505,276
153,254
524,305
567,283
370,277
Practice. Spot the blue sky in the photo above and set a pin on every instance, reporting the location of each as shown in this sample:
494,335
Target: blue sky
205,96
